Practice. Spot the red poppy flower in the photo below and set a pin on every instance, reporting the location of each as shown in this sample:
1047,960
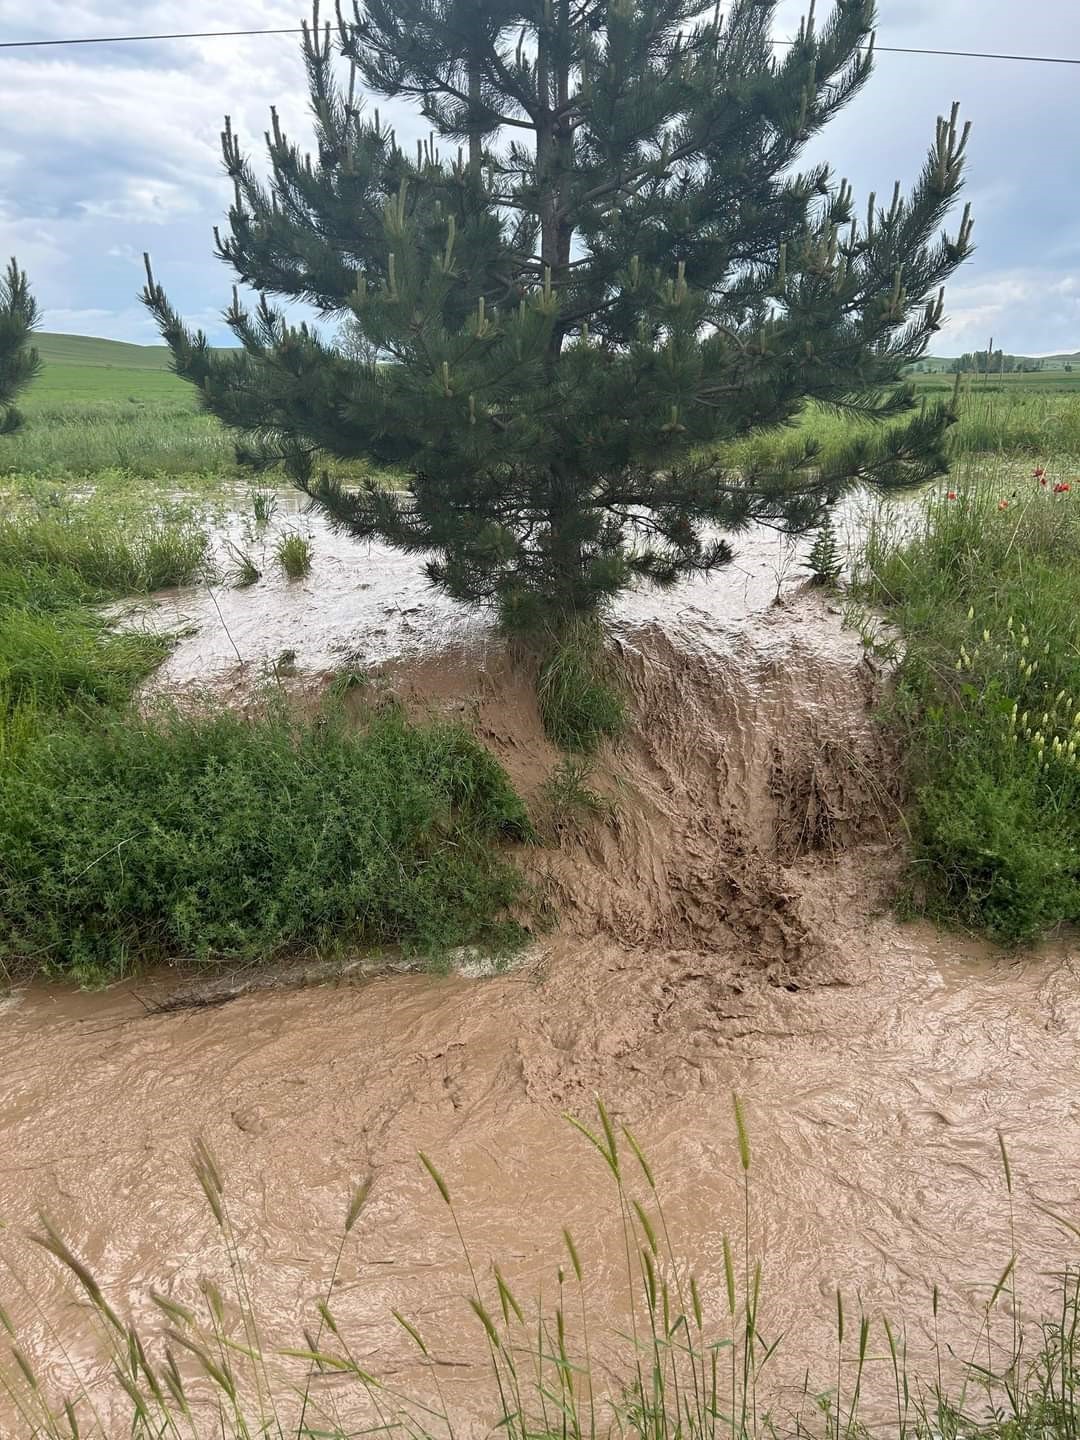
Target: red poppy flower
1040,472
1061,489
951,495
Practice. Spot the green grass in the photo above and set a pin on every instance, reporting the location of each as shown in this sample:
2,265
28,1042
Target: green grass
111,558
1057,381
580,706
567,799
689,1365
293,555
91,351
61,384
242,571
104,406
143,839
56,652
129,838
987,600
145,436
264,504
65,657
1039,421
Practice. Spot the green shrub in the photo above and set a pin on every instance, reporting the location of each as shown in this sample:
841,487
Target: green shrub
215,837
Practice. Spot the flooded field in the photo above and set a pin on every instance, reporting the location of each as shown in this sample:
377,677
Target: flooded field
722,928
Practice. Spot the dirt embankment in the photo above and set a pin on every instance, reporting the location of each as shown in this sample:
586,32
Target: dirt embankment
752,808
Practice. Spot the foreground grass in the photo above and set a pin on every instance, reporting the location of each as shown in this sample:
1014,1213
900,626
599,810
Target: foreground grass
690,1365
130,838
985,591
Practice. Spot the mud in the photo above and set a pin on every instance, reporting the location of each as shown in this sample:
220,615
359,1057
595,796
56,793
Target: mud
722,927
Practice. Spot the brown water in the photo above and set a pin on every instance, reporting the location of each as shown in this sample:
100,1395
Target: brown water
724,930
872,1111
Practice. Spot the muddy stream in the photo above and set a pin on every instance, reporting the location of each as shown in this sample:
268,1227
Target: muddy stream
725,928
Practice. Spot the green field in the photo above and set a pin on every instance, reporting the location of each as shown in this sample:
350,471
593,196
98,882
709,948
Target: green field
104,408
101,406
83,369
1054,382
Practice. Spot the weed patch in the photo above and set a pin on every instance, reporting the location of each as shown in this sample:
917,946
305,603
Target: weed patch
579,705
986,593
225,836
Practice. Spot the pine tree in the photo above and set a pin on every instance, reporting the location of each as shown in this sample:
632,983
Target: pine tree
825,561
602,264
19,361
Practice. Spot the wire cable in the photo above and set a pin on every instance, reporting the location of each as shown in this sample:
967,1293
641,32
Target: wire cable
295,30
129,39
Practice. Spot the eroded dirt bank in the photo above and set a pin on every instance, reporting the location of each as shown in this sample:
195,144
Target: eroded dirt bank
722,930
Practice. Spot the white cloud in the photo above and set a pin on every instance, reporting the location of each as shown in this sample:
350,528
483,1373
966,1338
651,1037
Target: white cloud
1043,308
142,201
108,151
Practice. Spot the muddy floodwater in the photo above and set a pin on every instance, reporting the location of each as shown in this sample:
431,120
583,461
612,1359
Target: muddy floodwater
724,928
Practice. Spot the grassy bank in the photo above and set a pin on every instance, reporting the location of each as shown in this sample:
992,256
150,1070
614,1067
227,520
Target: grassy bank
985,591
131,838
691,1365
138,840
58,656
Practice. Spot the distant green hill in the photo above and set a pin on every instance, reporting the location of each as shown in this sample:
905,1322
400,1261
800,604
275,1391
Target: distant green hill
83,370
89,350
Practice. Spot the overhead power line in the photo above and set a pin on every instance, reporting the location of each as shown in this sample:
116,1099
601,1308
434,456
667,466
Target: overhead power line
129,39
295,30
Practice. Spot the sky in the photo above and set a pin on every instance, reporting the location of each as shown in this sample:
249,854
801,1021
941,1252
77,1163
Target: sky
110,150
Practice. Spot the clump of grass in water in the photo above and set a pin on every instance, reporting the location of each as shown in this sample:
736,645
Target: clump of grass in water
264,506
568,798
293,553
675,1378
986,594
579,705
243,571
347,680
